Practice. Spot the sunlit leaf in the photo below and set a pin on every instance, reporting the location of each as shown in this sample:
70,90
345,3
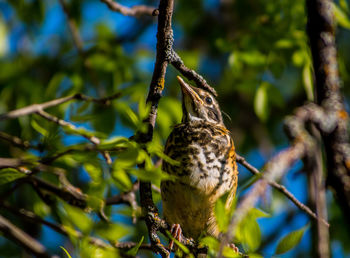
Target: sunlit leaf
121,179
39,128
290,241
8,175
341,17
112,232
221,213
308,82
211,242
79,218
261,101
248,231
133,251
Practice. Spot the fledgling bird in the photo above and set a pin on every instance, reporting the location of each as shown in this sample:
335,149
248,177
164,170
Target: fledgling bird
206,167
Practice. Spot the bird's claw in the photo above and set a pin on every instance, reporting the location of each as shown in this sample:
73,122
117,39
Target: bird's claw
234,248
176,232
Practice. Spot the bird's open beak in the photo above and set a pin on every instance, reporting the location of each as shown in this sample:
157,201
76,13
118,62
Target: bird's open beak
187,90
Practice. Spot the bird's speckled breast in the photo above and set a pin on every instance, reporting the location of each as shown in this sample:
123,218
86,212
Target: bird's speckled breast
207,170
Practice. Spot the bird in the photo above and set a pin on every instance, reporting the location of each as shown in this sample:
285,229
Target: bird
205,167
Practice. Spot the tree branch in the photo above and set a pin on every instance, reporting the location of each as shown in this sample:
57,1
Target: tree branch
137,10
320,29
16,141
38,107
282,189
273,172
164,50
68,125
12,232
73,28
190,74
32,217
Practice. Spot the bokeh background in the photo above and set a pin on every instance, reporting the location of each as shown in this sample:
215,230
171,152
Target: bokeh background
255,54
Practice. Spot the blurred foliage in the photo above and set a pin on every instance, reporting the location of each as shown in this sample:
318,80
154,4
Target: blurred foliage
256,55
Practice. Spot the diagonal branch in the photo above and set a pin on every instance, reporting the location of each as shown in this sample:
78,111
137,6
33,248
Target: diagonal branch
137,10
274,171
32,217
52,103
68,125
280,188
12,232
190,74
16,141
73,128
36,107
73,28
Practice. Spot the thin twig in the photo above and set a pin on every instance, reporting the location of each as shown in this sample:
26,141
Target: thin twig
280,188
32,217
317,197
190,74
137,10
274,171
73,28
71,194
12,232
16,141
68,125
37,107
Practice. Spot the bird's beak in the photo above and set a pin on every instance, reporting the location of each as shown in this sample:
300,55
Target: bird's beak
188,91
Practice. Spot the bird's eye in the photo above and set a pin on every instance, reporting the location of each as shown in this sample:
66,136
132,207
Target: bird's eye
209,100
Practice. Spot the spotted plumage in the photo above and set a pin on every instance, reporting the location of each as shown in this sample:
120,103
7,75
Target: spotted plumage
206,169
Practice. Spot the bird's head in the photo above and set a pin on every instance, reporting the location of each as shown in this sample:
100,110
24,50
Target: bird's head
198,105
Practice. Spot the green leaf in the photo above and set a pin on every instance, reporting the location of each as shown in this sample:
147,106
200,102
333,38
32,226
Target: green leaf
261,101
79,218
284,43
252,234
341,17
8,175
221,213
152,175
116,142
129,117
121,179
211,242
127,158
94,172
4,46
308,82
256,213
180,245
290,241
299,58
39,128
54,84
112,232
133,251
248,231
155,148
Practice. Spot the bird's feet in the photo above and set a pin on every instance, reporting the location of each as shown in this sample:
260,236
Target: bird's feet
176,233
234,248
